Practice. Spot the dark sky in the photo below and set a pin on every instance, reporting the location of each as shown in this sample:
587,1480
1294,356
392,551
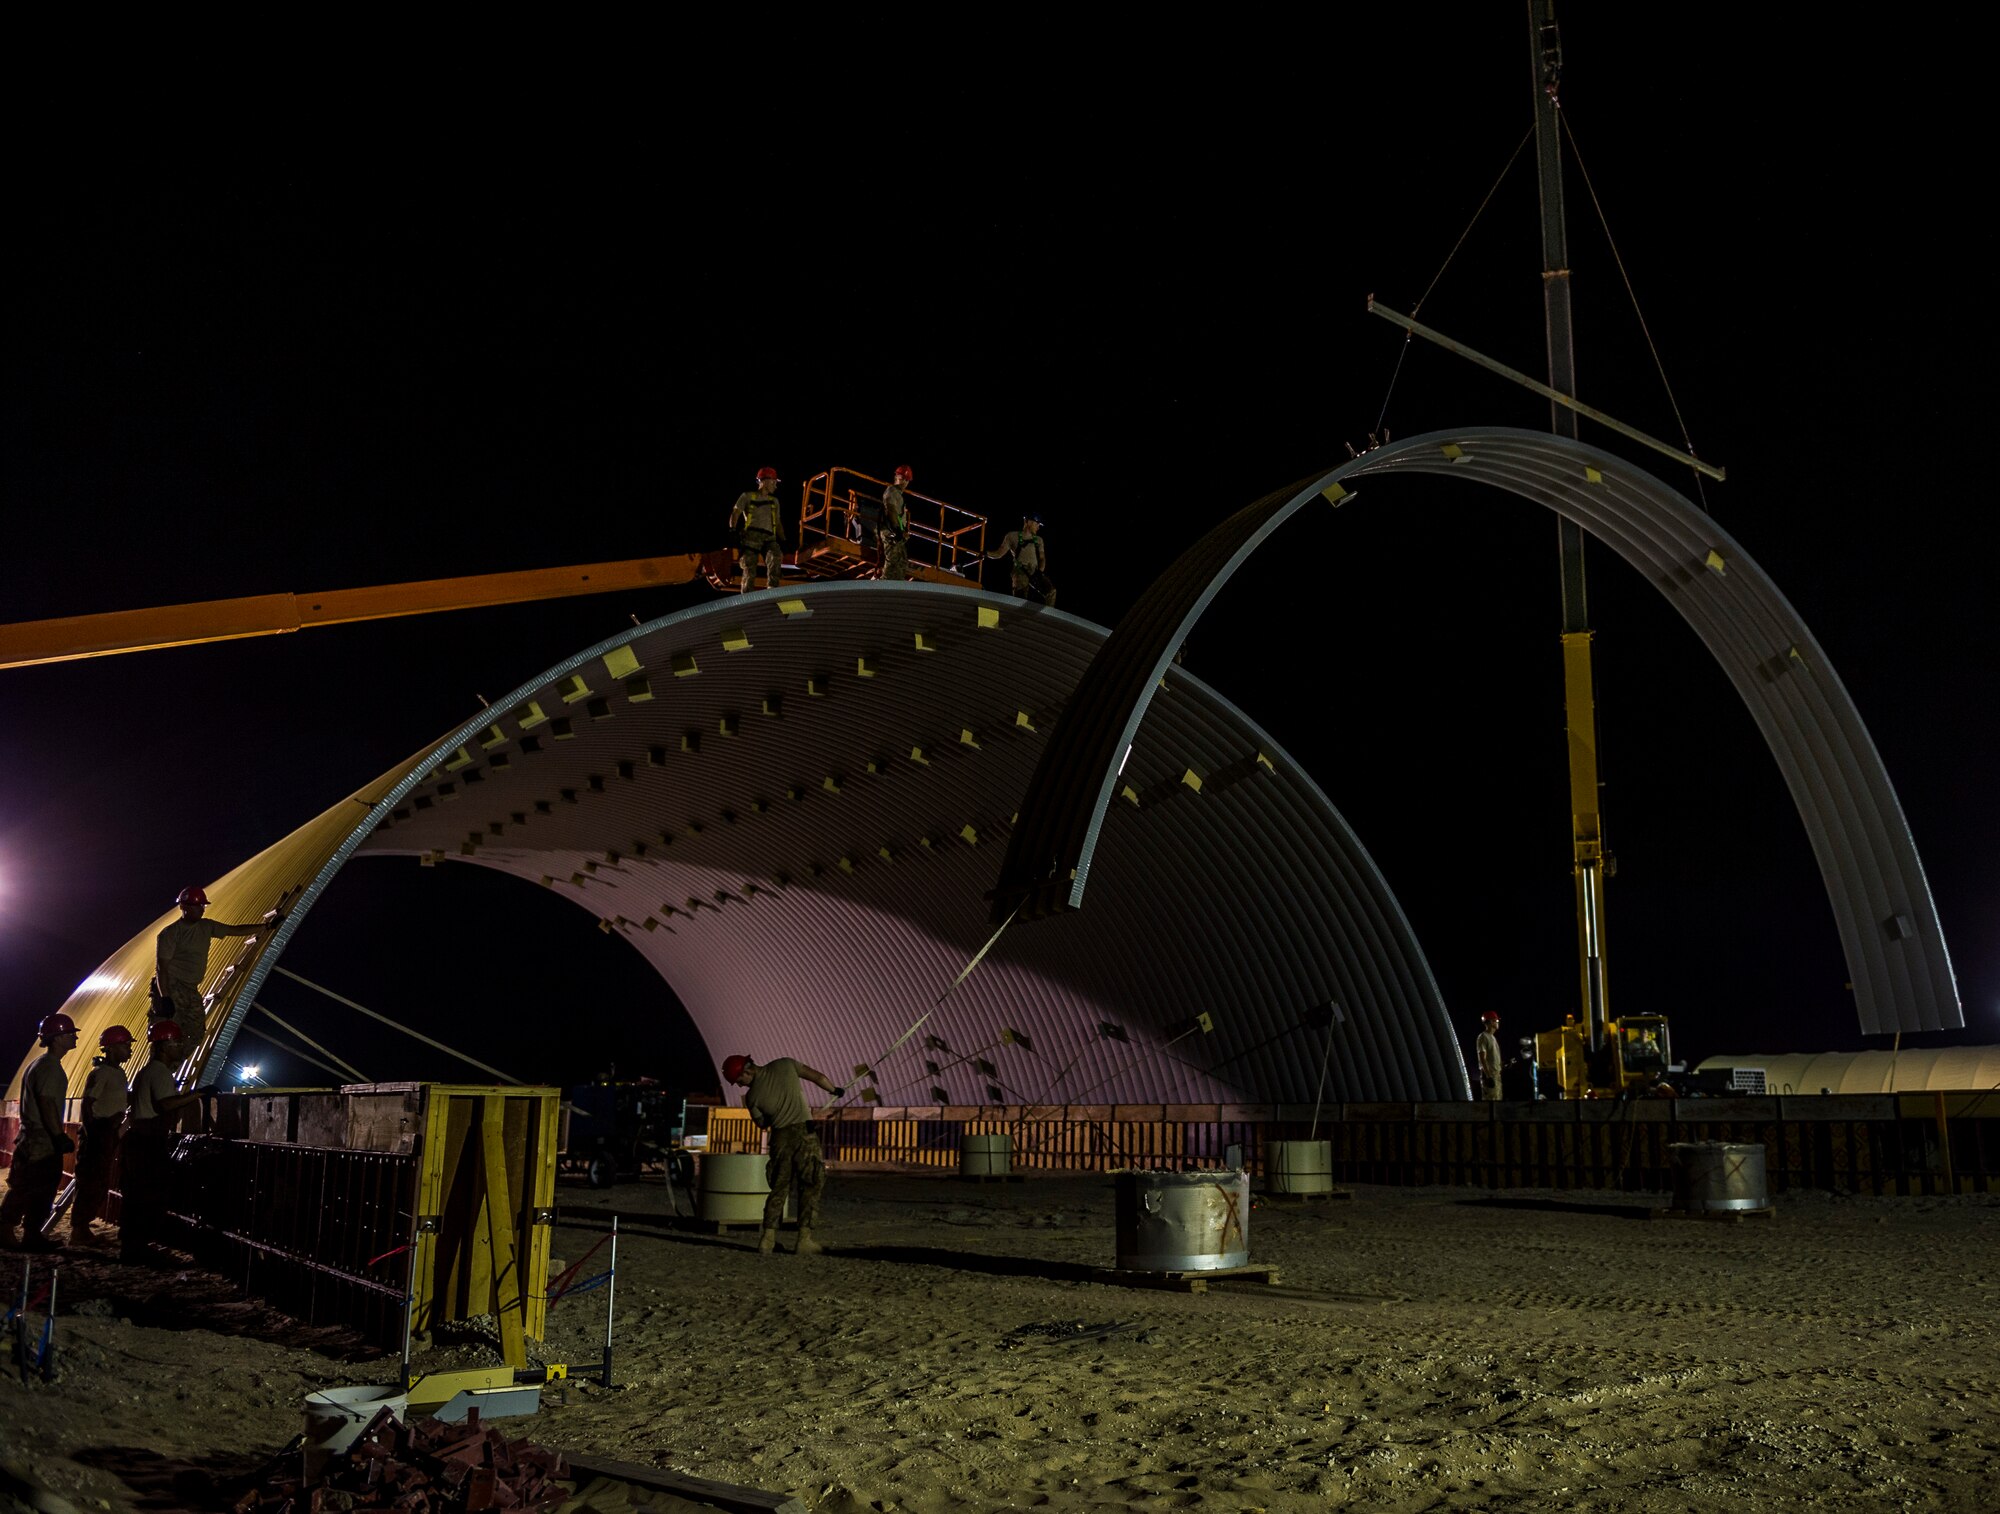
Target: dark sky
483,326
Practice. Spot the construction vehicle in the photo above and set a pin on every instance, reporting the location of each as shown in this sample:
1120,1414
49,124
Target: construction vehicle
945,545
617,1128
1633,1057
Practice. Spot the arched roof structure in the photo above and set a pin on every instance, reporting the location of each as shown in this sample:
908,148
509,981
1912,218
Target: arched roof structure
1940,1069
794,802
1882,904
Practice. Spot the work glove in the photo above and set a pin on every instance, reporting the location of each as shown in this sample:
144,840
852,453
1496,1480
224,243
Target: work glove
840,1093
64,1145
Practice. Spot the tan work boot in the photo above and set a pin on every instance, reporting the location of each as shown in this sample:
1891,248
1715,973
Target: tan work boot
767,1242
807,1246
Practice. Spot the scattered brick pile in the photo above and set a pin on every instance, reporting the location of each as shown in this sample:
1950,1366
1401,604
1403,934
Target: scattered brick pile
425,1467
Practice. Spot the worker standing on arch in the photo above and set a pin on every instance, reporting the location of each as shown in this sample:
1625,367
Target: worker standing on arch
760,534
181,962
1031,560
895,530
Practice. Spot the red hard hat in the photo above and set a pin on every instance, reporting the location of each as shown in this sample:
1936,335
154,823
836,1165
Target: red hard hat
191,895
162,1030
903,473
114,1035
1493,1015
732,1068
57,1024
767,474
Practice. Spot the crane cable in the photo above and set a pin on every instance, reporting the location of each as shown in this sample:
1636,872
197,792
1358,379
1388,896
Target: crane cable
1633,295
1409,337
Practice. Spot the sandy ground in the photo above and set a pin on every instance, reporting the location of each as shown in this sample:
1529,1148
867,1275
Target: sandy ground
1425,1349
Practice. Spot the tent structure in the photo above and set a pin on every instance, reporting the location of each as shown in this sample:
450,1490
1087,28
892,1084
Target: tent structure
1939,1069
793,803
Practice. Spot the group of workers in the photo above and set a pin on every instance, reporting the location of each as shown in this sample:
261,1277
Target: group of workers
758,526
128,1131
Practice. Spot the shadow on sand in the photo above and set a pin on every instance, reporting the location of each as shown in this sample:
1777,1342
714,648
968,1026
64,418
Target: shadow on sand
162,1482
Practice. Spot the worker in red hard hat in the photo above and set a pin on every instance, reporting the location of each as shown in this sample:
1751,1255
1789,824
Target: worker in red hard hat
42,1142
1487,1048
895,528
1031,560
105,1099
760,533
150,1137
777,1103
181,962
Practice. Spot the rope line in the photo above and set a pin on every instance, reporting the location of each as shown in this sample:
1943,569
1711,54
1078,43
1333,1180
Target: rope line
1633,295
395,1024
561,1283
1408,336
584,1287
1320,1094
917,1024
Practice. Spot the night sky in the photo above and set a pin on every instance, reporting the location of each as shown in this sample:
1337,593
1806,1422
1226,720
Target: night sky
480,327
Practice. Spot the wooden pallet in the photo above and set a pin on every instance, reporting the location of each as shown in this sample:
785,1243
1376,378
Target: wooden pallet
1730,1215
1182,1282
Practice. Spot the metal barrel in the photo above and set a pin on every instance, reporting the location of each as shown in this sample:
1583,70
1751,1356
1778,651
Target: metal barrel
1183,1221
733,1188
1719,1176
1299,1167
986,1156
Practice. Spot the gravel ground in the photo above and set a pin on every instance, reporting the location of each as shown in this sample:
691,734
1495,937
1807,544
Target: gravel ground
1423,1349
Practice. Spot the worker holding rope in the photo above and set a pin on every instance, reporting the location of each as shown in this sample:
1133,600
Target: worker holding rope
777,1103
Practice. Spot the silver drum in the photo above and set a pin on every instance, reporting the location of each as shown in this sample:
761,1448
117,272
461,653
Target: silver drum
1183,1221
1719,1177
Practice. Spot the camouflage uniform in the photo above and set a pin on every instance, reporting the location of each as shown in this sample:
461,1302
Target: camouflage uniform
895,534
1031,565
794,1154
762,536
182,962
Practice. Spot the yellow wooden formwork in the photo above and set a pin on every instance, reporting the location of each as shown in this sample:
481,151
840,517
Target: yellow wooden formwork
486,1186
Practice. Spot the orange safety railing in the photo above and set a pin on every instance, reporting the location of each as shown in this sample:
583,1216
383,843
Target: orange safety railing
941,535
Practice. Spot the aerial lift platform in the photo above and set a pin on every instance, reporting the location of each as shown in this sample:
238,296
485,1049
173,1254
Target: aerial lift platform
825,541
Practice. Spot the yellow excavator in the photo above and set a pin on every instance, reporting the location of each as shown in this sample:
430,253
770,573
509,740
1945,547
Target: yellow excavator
834,539
1632,1059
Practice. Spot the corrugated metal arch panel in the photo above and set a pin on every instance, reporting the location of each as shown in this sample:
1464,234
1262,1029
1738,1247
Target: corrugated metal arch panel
1253,901
1943,1069
1133,964
115,993
1893,940
1882,903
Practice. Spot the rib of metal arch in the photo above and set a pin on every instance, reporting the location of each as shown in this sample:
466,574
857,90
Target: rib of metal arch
1901,973
1356,948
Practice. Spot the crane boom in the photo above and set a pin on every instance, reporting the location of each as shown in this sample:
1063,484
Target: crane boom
71,637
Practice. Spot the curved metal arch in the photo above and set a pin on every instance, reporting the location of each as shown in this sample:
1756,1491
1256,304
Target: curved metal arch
790,919
1888,923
